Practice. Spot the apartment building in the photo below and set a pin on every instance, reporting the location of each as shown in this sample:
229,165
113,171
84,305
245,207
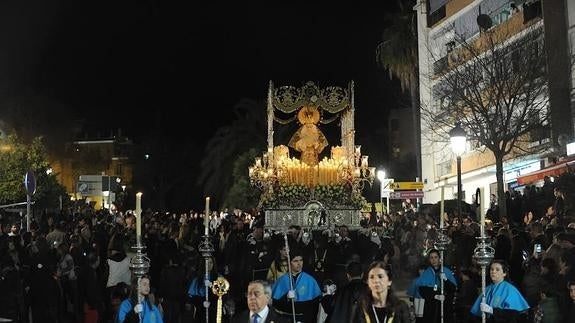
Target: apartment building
438,22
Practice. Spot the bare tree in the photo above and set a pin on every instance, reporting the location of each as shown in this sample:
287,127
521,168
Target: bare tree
495,86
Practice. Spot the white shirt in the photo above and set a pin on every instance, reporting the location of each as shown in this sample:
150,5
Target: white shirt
263,314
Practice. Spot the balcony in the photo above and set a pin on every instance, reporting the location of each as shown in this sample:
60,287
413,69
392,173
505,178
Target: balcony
515,24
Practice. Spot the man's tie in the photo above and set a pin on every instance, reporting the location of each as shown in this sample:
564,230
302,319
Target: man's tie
255,318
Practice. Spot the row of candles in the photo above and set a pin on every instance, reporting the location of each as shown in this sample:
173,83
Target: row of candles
328,171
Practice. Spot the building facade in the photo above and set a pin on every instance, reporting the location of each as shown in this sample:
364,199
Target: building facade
438,22
109,156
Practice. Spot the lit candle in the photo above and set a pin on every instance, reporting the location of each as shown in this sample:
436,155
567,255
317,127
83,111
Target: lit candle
271,155
441,208
364,161
138,216
207,216
482,226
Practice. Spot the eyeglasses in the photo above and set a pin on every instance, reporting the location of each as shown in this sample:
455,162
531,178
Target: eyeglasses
255,294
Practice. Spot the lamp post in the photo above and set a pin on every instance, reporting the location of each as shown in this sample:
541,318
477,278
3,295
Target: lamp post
458,141
381,178
109,194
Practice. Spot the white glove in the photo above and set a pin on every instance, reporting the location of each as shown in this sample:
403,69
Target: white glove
442,276
331,289
486,308
207,283
291,294
439,297
138,308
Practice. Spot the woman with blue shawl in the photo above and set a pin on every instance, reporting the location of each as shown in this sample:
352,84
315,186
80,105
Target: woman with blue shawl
138,307
426,291
503,302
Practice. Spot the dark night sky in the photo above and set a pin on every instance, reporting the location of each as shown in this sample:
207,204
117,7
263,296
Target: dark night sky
123,56
108,61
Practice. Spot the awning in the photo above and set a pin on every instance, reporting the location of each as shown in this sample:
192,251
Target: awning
552,171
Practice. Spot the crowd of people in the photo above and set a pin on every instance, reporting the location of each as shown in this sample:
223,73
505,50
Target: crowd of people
74,266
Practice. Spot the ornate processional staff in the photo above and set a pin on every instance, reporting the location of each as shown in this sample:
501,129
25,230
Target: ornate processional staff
291,290
206,249
483,255
139,264
220,288
441,245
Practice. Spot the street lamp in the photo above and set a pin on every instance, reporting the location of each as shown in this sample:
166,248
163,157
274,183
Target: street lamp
458,142
381,177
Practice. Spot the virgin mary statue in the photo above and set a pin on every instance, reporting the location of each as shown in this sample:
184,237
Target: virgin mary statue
308,139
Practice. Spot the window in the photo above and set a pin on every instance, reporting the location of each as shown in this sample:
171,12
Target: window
444,168
435,16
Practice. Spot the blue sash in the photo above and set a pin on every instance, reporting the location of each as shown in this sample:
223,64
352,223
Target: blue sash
306,288
429,278
149,314
502,295
195,289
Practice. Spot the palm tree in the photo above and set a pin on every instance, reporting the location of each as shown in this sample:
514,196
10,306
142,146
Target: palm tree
397,53
246,132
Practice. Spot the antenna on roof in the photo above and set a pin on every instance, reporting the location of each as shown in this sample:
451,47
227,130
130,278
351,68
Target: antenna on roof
484,21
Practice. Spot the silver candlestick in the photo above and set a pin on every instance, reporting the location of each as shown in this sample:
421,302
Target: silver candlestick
483,254
441,244
206,249
139,264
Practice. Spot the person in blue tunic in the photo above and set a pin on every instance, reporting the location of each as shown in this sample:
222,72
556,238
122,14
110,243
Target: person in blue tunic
503,302
306,292
427,287
138,307
197,291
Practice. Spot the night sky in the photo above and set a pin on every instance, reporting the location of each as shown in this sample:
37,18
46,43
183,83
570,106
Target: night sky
110,62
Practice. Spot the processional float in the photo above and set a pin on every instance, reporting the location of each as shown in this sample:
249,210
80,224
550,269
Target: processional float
308,191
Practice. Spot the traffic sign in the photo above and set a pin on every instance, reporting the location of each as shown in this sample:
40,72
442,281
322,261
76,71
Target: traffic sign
386,185
403,195
83,188
89,185
406,186
30,182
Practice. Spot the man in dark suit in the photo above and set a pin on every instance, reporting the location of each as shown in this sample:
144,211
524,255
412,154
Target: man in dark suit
342,307
258,297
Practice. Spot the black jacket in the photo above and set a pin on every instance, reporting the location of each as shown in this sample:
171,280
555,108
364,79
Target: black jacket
346,302
273,317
